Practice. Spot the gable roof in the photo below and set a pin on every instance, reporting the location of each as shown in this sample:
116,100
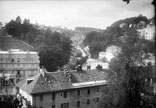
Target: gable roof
57,81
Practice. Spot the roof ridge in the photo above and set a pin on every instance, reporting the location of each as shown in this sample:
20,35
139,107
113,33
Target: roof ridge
37,80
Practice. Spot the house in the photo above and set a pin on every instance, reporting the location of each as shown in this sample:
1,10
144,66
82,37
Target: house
64,89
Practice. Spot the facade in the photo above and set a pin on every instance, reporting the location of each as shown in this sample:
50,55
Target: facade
64,89
7,85
18,61
17,57
22,63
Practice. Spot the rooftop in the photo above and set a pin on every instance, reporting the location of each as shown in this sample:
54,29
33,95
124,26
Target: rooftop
17,52
8,42
57,81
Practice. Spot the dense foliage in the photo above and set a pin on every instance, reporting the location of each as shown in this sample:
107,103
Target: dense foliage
54,48
114,35
129,76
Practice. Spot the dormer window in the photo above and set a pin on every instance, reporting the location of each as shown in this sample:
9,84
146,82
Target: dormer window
65,94
41,97
6,82
12,60
88,91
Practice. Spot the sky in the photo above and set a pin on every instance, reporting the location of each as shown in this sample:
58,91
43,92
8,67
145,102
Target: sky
73,13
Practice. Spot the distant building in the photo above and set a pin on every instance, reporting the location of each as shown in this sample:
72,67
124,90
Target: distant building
17,57
64,89
93,63
105,56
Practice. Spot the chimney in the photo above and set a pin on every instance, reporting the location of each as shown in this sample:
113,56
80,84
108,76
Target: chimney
29,81
88,67
99,67
67,74
79,68
43,71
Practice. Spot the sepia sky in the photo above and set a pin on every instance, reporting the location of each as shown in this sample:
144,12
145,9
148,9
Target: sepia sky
72,13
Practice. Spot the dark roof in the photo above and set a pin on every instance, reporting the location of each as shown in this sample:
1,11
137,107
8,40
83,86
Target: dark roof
56,81
8,42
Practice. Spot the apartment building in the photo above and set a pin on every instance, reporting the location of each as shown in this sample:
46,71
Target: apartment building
64,89
22,63
17,57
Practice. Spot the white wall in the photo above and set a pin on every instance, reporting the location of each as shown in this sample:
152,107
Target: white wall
26,95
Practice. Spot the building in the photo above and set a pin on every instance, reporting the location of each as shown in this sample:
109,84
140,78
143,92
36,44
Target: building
17,57
22,63
64,89
7,85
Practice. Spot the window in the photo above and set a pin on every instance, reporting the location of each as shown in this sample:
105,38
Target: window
97,89
41,97
53,96
65,94
18,59
53,106
78,92
65,105
88,91
12,60
88,101
6,90
18,72
6,82
1,81
78,103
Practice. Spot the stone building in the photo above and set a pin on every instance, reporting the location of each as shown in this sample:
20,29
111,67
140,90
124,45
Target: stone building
64,89
17,57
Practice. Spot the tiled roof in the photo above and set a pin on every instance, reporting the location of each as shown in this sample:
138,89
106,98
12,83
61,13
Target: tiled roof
55,81
28,87
8,42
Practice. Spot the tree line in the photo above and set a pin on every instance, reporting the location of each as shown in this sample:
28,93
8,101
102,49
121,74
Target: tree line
130,78
54,48
114,35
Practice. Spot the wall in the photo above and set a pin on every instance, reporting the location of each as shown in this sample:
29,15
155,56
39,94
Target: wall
26,95
71,99
25,64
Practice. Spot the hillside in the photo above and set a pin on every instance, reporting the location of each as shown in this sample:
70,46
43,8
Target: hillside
117,33
86,29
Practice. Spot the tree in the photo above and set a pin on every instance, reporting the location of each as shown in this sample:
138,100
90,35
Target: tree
128,77
54,48
14,28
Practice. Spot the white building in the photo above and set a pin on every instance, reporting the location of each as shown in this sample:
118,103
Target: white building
17,57
21,63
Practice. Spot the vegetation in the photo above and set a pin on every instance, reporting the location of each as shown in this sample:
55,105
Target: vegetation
129,75
114,35
54,48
